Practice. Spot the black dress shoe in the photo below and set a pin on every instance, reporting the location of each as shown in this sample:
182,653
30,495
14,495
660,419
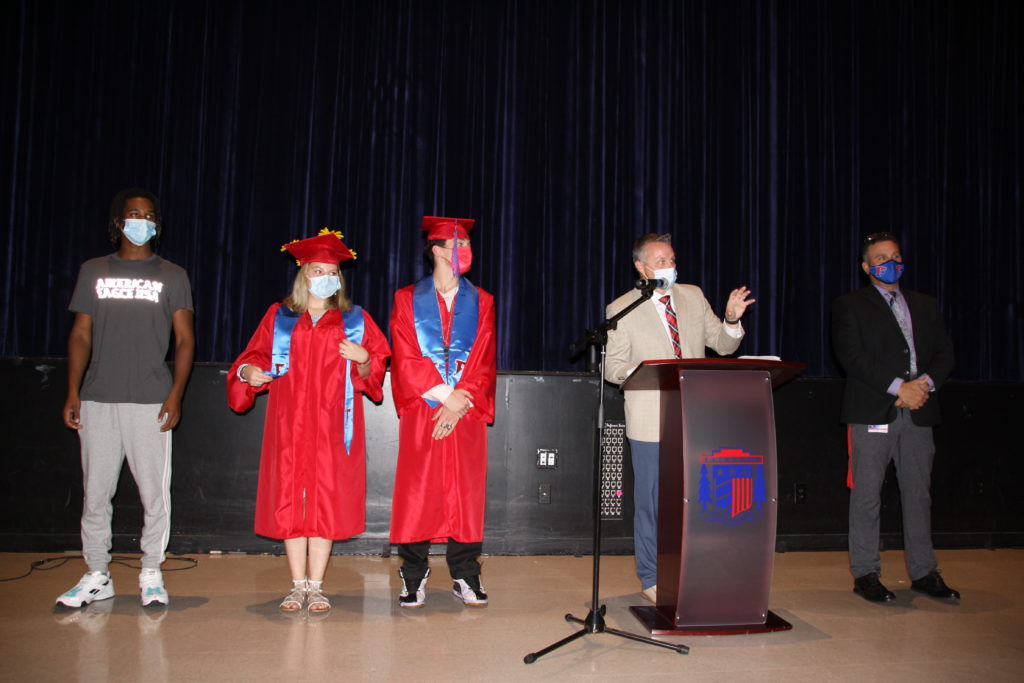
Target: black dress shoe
933,586
871,589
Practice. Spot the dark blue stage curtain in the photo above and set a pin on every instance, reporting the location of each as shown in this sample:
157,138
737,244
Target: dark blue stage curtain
766,136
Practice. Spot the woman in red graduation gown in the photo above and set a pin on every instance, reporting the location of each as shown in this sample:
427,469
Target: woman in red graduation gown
443,378
316,354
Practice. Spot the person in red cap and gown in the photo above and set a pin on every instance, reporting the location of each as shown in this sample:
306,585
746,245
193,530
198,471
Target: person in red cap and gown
316,354
443,378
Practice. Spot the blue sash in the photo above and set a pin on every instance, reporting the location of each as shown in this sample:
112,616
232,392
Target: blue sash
449,361
284,325
354,332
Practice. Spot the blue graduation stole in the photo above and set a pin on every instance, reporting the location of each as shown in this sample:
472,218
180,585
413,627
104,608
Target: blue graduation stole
353,319
284,325
449,360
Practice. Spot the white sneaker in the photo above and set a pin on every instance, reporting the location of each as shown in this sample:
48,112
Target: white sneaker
470,591
151,585
413,594
92,586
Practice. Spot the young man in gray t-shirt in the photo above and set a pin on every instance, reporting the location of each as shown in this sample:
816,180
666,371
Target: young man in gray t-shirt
127,402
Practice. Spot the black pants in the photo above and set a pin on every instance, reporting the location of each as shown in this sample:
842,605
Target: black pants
462,562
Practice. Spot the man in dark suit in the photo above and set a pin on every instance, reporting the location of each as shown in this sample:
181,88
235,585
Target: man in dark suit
896,353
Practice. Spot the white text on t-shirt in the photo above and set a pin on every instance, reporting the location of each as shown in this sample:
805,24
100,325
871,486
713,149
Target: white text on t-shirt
128,288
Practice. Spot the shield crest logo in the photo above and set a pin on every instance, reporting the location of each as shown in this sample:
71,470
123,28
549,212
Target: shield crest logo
732,489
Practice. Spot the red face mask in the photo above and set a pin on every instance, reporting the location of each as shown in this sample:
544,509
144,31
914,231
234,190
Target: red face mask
465,258
462,259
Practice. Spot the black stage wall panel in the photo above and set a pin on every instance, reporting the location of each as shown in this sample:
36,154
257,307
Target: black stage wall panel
534,506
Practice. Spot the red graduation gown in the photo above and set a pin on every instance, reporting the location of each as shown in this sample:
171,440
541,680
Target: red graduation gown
308,486
440,484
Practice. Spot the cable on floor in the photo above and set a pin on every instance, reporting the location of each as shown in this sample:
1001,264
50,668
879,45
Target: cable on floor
50,563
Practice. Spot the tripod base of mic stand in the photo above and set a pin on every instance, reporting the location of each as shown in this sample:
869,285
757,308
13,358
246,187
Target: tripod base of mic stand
594,623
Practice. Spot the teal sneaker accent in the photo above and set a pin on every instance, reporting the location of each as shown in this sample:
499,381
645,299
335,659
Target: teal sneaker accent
151,583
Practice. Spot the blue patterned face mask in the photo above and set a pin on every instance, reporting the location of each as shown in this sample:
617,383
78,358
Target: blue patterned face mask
888,272
324,286
139,230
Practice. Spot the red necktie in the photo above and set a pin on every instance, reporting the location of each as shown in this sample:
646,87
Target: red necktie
673,327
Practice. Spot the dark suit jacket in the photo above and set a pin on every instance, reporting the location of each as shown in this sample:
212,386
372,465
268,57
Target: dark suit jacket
872,351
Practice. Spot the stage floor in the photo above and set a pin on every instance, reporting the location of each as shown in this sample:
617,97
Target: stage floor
223,625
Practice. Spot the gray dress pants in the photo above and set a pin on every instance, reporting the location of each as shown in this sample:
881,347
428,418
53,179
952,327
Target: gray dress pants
911,449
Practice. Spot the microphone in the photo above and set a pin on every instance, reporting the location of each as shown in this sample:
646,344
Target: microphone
653,283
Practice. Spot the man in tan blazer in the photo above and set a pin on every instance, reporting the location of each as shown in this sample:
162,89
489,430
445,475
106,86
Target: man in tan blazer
677,322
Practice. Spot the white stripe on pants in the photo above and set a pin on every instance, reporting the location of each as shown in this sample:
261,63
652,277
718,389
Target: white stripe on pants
110,432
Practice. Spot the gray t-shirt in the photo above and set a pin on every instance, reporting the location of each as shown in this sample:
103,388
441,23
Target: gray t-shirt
131,304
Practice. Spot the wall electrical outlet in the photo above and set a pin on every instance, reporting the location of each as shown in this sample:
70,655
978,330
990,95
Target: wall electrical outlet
544,494
799,493
547,458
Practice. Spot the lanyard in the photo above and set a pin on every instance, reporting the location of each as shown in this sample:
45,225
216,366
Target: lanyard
446,328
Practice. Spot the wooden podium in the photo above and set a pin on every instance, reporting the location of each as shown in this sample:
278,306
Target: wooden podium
718,494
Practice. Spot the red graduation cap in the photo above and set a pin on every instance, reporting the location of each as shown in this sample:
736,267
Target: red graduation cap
326,247
440,228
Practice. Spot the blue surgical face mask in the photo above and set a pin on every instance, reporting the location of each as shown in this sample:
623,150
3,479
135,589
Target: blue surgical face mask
139,230
324,286
666,274
888,272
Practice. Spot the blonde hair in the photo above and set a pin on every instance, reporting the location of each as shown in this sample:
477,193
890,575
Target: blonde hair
298,301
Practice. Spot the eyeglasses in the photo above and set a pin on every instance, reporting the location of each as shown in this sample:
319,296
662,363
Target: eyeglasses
879,237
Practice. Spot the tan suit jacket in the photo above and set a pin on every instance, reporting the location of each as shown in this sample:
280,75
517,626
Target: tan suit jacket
641,336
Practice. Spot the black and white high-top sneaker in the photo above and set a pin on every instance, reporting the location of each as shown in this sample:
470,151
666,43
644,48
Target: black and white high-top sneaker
470,591
414,593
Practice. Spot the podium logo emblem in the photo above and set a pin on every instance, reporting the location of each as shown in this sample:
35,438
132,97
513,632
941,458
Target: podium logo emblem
732,490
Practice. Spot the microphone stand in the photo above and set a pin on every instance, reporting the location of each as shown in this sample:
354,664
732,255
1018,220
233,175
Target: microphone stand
594,621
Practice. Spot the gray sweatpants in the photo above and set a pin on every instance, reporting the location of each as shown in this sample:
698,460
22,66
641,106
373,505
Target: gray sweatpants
109,433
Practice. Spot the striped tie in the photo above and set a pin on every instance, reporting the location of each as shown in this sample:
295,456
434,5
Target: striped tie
901,320
673,327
